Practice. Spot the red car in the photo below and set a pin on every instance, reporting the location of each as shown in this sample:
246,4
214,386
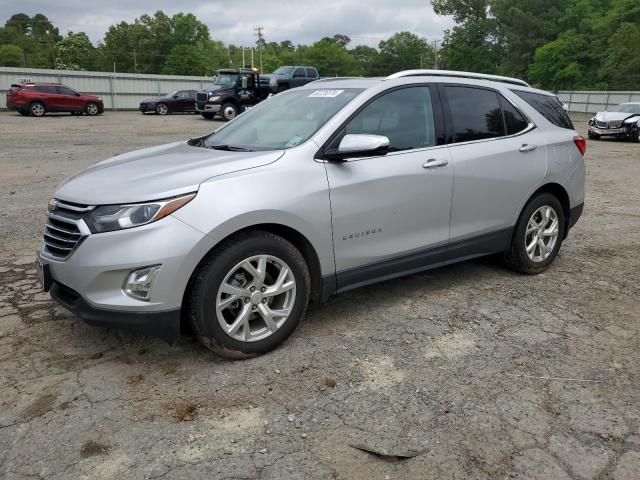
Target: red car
39,98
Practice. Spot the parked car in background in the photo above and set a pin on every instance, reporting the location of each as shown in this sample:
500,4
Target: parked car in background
292,76
621,121
233,91
181,101
317,190
36,99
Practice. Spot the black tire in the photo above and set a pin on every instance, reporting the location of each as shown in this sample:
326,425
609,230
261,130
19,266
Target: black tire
516,256
212,272
91,109
228,111
162,109
37,109
208,116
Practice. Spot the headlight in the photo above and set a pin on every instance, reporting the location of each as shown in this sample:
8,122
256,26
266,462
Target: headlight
273,81
118,217
216,98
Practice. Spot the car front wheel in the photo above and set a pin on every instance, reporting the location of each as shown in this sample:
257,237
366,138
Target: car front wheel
161,109
537,236
249,295
91,109
228,111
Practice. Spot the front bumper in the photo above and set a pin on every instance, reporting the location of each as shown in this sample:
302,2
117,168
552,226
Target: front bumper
207,107
621,132
165,325
90,282
147,107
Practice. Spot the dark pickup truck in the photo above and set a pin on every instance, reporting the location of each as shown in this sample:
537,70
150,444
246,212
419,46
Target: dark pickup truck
292,76
233,91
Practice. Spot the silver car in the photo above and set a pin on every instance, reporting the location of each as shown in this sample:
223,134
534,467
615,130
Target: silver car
320,189
619,121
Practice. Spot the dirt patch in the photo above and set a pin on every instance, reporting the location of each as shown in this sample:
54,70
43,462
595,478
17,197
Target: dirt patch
91,448
182,411
134,379
41,405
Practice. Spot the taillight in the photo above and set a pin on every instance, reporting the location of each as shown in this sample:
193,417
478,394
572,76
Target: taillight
581,143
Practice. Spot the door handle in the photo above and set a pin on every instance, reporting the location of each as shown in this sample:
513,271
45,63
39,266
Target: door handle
528,148
434,163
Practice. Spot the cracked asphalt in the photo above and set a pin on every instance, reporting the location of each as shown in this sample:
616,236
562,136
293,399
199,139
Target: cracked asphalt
486,373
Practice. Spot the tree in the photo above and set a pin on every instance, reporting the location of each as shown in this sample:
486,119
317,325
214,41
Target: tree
186,60
471,45
402,51
621,69
75,52
329,58
366,58
11,56
35,36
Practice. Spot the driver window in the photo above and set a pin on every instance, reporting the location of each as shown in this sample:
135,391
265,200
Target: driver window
183,94
299,73
404,116
65,91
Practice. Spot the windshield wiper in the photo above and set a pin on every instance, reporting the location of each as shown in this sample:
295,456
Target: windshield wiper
230,148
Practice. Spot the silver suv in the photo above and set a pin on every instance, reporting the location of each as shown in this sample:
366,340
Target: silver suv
320,189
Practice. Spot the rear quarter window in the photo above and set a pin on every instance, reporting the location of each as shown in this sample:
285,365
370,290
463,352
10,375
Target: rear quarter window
547,106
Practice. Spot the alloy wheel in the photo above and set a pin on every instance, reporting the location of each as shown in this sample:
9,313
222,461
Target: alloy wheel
162,109
255,298
92,109
37,109
542,233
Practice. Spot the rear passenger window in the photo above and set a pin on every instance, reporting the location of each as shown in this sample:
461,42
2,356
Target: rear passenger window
311,72
548,106
513,119
404,116
476,113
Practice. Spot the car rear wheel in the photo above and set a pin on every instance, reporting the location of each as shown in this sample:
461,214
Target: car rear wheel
228,111
249,295
162,109
538,235
37,109
91,109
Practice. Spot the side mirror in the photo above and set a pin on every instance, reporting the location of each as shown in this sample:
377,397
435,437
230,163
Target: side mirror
360,145
175,96
78,94
244,82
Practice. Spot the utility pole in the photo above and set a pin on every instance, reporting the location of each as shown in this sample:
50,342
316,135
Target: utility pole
244,64
435,54
260,42
252,57
135,61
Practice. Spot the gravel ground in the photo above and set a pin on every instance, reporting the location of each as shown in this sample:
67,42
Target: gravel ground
482,372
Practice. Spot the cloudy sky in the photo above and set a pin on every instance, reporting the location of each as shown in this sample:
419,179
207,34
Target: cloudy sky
232,21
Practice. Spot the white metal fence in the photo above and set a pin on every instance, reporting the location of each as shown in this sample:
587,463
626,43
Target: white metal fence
118,90
591,102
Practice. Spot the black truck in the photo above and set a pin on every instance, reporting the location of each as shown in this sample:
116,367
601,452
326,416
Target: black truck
233,91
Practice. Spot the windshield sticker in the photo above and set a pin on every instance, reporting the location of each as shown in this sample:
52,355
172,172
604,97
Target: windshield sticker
326,93
295,140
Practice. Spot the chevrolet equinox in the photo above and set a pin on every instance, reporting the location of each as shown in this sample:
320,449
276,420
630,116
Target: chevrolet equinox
323,188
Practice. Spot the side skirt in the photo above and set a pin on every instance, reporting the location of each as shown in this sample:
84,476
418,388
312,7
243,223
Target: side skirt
459,251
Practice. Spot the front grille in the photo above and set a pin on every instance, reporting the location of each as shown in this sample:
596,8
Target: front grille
65,229
613,124
201,105
201,97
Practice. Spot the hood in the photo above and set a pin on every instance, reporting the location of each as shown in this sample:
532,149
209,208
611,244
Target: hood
215,88
613,116
154,173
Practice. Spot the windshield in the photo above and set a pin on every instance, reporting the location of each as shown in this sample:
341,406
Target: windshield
283,121
226,79
627,108
283,71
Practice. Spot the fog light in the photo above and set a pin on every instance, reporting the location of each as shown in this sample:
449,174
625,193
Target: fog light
140,282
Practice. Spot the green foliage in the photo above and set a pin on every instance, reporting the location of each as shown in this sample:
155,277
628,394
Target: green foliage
35,36
11,56
75,52
186,60
403,51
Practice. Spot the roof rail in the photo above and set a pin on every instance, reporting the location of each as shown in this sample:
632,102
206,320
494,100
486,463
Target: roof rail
454,73
330,79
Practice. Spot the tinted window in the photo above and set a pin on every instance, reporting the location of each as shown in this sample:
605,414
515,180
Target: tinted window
299,72
65,91
183,94
311,72
46,88
548,106
476,113
513,119
404,116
